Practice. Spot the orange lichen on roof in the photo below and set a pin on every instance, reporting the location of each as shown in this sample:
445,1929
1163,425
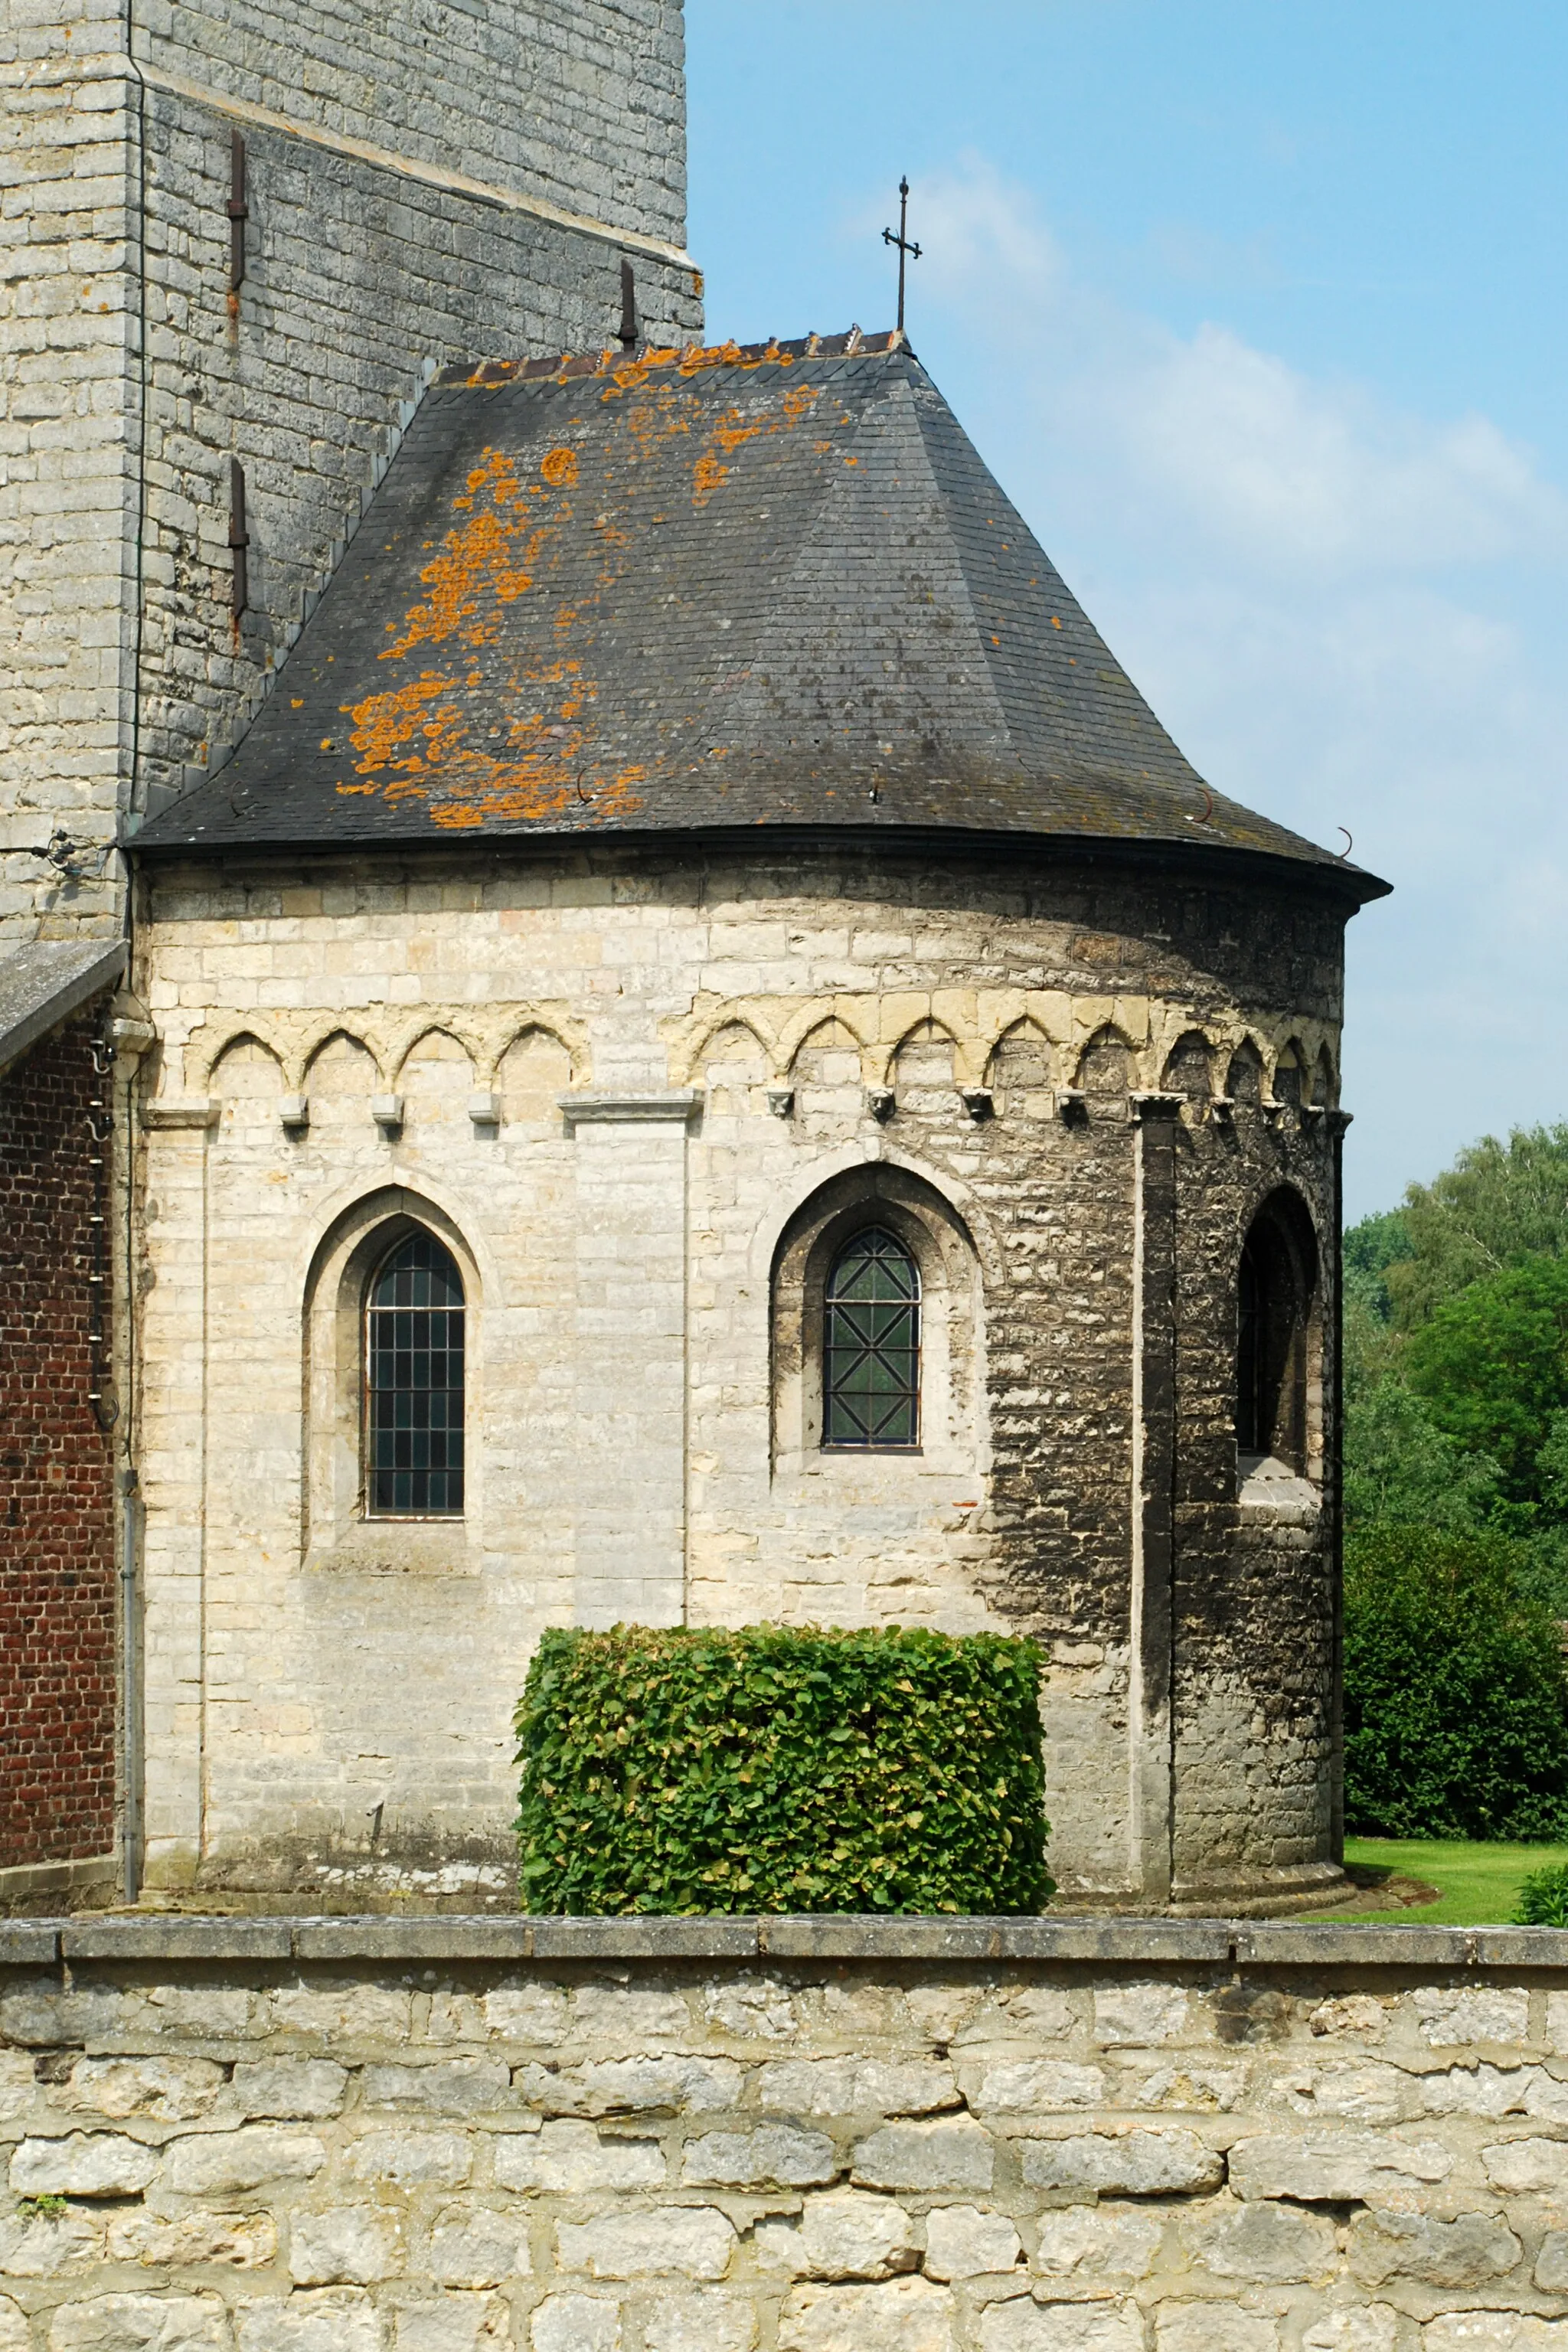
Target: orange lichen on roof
559,467
476,557
730,434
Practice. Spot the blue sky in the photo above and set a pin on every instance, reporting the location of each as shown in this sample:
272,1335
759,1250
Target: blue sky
1260,311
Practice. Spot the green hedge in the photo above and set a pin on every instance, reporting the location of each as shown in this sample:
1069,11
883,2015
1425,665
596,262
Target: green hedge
772,1770
1456,1707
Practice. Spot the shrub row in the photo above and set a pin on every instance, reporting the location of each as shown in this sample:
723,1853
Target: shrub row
774,1769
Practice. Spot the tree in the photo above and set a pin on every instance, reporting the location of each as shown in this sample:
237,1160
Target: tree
1492,1366
1497,1205
1455,1708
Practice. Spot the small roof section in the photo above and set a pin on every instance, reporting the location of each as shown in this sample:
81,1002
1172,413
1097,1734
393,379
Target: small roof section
720,587
43,982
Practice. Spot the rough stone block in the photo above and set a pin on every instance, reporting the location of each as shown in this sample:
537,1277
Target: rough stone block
1094,2242
706,2320
670,2240
853,2086
1526,2167
162,2090
351,2245
778,2153
570,2158
1034,2086
472,2246
907,2314
1019,2326
1465,2251
1353,2327
926,2155
140,2323
87,2164
1494,2331
1335,2167
16,2336
1262,2243
632,2087
1214,2328
41,2245
1453,2016
455,2323
1124,2164
1552,2263
964,2242
313,2319
1141,2014
1362,2089
304,2088
411,2159
850,2236
240,2242
460,2086
576,2323
349,2015
221,2162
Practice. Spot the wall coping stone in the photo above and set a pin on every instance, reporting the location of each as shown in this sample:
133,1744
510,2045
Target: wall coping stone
179,1937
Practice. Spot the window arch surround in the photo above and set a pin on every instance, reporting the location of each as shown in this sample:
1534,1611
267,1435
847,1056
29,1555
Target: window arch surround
339,1528
1279,1340
819,1237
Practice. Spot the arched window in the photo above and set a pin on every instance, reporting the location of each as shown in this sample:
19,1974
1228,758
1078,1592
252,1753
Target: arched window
413,1383
871,1344
1274,1292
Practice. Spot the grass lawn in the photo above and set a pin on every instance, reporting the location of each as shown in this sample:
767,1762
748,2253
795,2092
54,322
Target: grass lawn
1480,1883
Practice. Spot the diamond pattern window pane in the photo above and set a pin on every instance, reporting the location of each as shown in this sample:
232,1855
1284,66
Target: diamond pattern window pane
414,1380
871,1357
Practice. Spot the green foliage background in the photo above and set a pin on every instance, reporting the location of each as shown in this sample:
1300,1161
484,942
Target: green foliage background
1456,1358
782,1769
1456,1710
1455,1494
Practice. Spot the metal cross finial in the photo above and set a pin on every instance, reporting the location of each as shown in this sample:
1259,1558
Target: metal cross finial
902,242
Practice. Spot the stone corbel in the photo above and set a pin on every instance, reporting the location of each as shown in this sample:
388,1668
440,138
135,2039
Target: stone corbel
1338,1121
1152,1105
979,1102
881,1102
781,1101
387,1112
1222,1109
294,1113
182,1111
1072,1106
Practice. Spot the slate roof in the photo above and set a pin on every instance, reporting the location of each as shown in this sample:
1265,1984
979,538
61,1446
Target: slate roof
720,587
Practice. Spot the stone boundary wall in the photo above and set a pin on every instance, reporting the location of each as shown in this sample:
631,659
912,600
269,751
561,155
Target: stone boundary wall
439,2135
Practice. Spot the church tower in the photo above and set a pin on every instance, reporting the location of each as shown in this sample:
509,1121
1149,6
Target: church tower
241,237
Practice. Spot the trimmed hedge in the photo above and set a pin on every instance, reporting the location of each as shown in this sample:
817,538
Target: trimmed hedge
780,1770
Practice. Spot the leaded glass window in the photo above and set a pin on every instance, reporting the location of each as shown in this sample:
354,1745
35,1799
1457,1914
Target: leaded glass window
871,1354
414,1382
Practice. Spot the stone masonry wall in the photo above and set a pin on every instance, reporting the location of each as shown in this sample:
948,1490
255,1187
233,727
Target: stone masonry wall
390,174
829,2136
57,1503
635,1449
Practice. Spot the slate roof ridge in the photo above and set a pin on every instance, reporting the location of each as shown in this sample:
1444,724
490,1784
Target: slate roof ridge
684,359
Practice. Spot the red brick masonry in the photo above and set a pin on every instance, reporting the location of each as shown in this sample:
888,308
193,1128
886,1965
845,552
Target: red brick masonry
57,1516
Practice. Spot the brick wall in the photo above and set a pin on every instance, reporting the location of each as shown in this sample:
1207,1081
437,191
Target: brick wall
56,1547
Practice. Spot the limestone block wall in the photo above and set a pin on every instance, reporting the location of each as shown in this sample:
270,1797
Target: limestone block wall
909,2136
421,185
631,1092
